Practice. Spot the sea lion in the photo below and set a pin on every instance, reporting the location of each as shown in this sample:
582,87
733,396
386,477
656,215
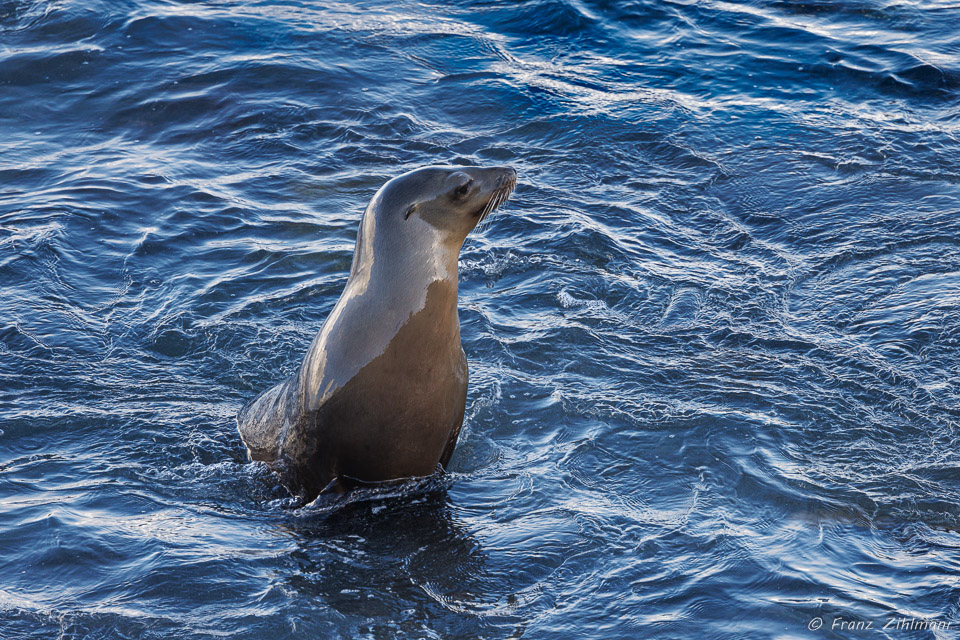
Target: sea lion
381,392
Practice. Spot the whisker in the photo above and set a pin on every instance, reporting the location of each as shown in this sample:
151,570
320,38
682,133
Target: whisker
492,205
498,198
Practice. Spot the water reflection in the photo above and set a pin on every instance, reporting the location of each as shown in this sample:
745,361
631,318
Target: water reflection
372,556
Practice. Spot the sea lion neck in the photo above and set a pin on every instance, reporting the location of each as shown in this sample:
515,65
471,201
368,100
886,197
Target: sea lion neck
411,250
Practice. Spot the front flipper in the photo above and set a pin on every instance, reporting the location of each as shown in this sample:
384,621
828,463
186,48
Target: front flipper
451,444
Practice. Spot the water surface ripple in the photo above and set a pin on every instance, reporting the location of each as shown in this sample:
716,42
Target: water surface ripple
714,338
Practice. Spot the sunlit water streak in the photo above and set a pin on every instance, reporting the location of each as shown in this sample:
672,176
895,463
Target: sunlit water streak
714,337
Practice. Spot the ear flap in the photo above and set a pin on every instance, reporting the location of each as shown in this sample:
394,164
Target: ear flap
410,210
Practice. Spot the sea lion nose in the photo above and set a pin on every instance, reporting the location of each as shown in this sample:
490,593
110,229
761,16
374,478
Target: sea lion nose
507,174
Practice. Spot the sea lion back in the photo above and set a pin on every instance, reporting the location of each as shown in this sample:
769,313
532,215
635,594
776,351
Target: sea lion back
261,422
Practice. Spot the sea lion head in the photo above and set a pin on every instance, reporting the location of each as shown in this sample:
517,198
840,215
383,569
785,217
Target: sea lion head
417,222
453,200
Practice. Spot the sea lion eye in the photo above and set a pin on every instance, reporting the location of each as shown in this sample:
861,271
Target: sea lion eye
463,189
409,211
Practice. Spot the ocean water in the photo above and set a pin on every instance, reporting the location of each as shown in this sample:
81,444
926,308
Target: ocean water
714,337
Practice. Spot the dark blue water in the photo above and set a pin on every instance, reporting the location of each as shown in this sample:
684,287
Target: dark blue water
714,338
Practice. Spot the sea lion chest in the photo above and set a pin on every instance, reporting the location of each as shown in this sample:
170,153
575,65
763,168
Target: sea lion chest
397,414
